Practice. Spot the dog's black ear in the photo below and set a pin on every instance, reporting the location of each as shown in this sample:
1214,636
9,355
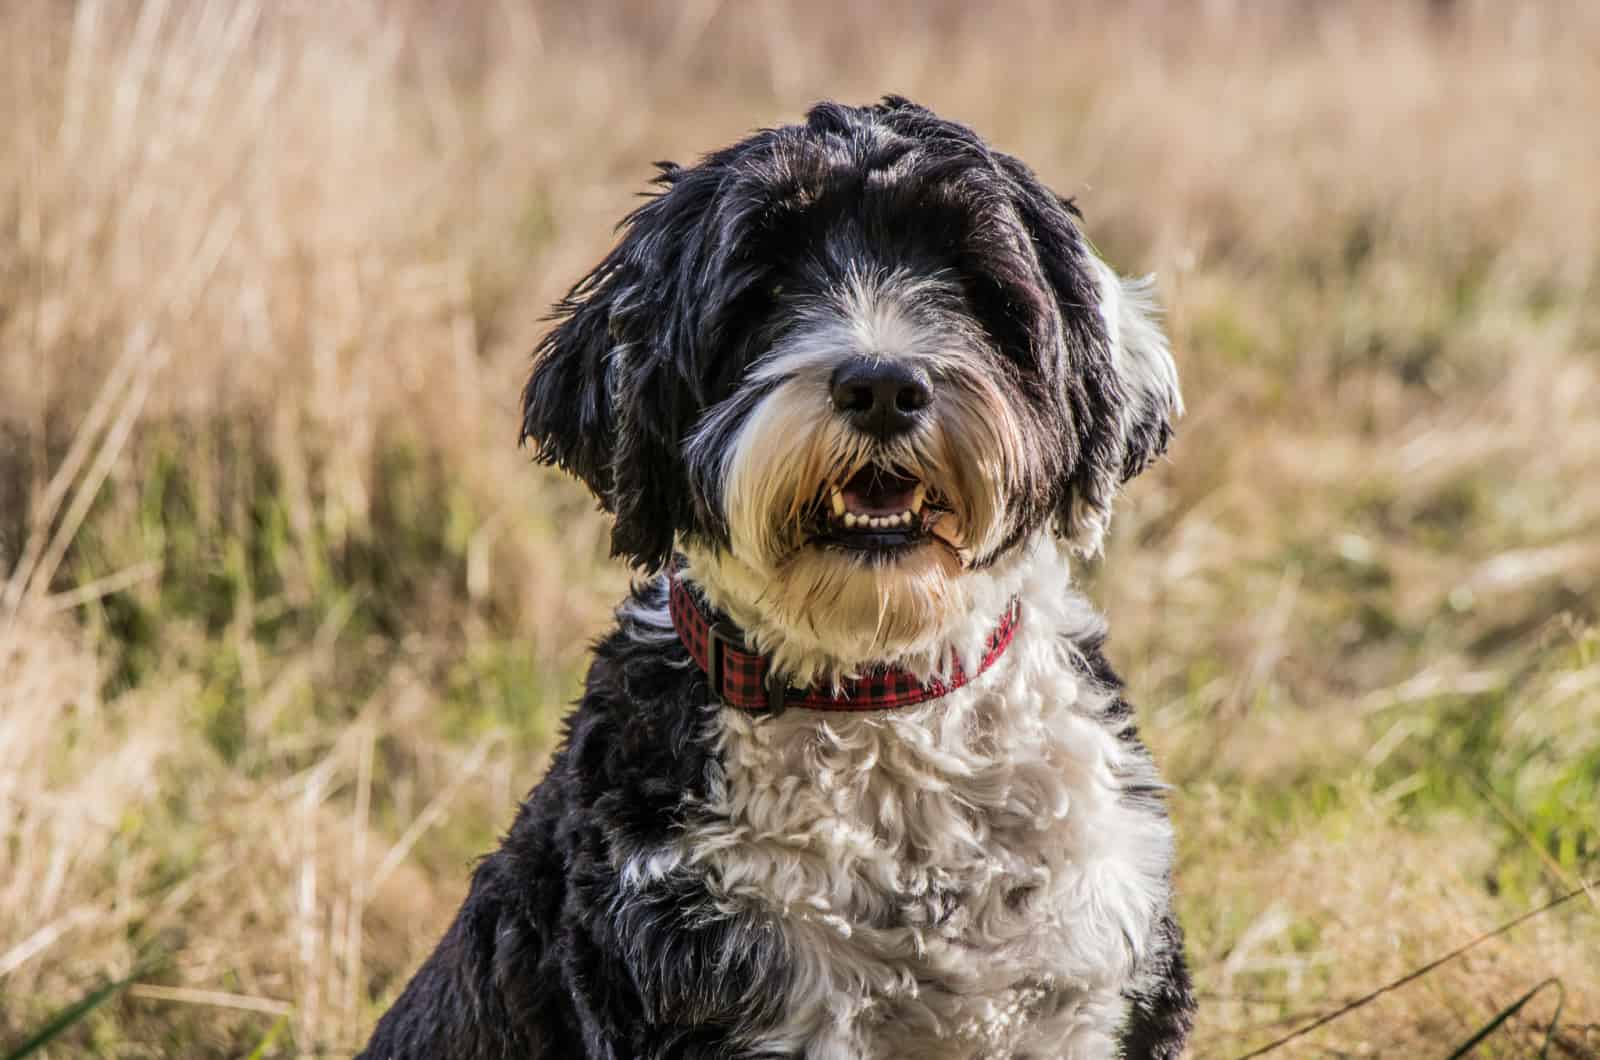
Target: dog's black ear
568,410
1116,374
614,388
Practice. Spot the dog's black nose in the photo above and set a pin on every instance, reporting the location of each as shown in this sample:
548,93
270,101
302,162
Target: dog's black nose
881,397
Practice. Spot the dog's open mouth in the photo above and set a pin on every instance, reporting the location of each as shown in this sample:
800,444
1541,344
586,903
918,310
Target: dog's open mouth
880,510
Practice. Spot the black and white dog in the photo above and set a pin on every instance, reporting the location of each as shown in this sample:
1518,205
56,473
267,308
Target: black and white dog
851,777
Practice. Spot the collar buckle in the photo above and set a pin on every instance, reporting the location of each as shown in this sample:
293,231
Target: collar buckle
777,695
717,640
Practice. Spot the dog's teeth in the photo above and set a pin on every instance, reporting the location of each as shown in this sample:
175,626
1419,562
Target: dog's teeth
853,521
838,503
917,497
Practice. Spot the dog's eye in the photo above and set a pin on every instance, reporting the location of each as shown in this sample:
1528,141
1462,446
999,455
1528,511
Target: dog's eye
775,290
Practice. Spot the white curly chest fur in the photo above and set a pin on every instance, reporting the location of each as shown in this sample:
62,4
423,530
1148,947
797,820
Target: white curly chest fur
959,879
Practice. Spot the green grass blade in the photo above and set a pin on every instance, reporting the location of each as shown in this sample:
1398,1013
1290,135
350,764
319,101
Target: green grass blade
63,1020
1511,1010
277,1029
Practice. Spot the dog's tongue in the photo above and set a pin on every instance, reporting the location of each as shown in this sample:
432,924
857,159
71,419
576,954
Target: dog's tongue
873,491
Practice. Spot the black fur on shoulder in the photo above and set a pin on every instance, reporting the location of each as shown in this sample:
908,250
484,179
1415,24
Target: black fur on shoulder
1161,1000
553,954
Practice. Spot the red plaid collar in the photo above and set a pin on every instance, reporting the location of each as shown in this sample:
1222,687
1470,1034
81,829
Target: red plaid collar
740,677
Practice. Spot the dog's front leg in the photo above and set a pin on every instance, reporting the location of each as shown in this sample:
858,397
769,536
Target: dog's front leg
676,973
586,968
481,995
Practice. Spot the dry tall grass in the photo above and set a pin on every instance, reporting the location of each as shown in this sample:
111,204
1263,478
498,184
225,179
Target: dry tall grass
286,620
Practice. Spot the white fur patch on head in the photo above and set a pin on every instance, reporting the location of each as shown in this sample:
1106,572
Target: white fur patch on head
876,314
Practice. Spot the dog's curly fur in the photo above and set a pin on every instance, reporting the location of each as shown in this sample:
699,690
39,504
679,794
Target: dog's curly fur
982,875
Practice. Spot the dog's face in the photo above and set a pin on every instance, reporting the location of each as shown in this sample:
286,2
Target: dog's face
849,365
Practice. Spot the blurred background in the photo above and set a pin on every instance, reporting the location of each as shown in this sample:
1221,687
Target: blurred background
288,622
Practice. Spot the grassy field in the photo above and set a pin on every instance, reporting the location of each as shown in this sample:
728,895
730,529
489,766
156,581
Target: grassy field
287,621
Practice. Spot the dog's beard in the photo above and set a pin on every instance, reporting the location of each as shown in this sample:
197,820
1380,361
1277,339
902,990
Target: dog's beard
800,582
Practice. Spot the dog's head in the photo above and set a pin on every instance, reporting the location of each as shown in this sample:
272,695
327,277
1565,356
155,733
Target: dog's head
848,366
